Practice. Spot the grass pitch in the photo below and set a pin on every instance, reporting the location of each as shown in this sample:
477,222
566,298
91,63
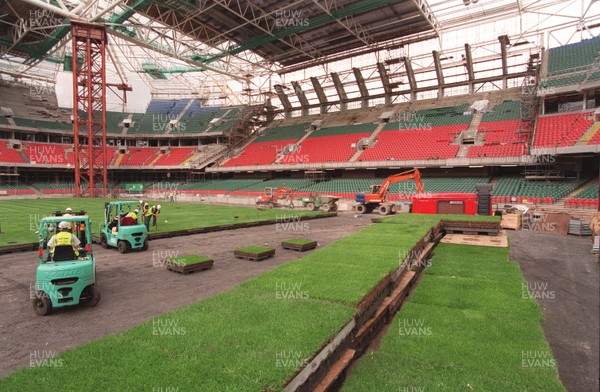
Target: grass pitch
466,327
19,218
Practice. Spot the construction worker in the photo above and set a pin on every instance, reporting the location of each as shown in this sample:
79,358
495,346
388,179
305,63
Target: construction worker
64,237
133,214
145,207
155,213
69,212
147,213
81,234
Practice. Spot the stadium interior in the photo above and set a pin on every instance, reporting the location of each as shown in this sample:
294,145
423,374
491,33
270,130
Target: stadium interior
519,115
222,172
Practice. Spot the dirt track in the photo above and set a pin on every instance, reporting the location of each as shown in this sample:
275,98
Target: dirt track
135,287
564,266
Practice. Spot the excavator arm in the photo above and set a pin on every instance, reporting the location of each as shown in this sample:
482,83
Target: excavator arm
407,175
367,202
282,192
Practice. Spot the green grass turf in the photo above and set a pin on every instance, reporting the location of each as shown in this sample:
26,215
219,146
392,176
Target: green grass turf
349,268
188,260
466,327
256,335
19,218
242,340
254,249
299,241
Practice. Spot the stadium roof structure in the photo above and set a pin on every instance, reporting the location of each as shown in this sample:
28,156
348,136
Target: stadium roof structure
290,32
232,47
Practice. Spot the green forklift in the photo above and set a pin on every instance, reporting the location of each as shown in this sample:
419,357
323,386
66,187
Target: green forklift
65,276
120,229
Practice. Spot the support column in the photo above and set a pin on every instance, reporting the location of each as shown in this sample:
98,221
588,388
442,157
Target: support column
504,42
439,71
320,94
412,82
287,106
339,87
364,92
301,97
385,81
469,67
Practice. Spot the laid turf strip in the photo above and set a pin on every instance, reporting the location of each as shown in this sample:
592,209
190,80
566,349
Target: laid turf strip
19,218
242,340
468,326
247,339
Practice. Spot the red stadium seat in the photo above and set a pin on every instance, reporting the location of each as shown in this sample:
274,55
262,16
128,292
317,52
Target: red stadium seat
562,130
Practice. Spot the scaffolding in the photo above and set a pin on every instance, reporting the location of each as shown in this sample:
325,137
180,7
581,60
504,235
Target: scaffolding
89,108
529,100
9,176
316,176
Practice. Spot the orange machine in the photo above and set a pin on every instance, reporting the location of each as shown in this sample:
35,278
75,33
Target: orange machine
272,196
368,202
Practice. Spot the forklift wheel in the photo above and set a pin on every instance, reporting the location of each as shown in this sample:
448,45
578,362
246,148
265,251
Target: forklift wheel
122,246
103,241
326,207
90,296
310,207
145,246
361,208
41,303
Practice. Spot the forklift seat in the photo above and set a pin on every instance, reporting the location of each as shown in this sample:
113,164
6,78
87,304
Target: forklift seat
63,253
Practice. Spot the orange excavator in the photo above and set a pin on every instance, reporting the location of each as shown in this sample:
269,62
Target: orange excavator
376,200
272,196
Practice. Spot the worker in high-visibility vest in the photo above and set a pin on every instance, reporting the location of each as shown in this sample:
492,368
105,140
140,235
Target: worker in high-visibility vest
155,211
147,212
133,214
145,206
64,237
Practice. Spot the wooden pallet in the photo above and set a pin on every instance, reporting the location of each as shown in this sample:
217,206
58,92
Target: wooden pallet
471,228
511,221
298,247
579,227
499,241
254,256
471,232
204,265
